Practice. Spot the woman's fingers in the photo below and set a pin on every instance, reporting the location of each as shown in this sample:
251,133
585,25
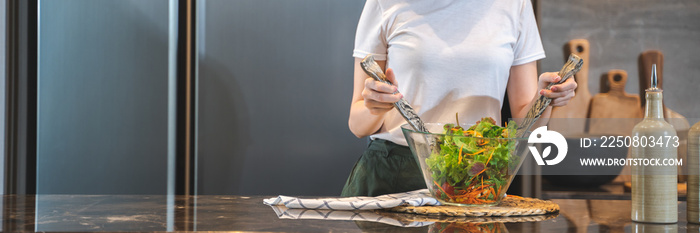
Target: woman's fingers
547,78
561,101
383,97
556,94
568,85
379,97
560,94
378,108
560,90
379,86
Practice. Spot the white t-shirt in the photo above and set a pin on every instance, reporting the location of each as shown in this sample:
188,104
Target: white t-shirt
449,56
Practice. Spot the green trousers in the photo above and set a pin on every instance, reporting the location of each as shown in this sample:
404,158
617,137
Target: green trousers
384,168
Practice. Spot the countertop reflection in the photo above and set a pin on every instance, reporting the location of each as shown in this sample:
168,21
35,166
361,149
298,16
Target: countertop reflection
159,213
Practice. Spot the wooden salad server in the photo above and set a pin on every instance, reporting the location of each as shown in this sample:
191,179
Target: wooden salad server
576,111
572,66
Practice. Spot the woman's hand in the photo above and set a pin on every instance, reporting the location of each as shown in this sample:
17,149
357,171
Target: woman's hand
560,94
371,100
379,97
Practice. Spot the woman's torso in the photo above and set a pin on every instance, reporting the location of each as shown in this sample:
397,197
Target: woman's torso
450,57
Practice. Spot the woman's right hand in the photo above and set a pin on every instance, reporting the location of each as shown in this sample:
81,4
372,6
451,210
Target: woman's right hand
380,97
371,100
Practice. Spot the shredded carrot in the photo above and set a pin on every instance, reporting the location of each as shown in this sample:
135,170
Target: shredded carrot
485,190
489,160
460,155
478,152
477,174
473,192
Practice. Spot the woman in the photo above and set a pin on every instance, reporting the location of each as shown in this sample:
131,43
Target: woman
444,57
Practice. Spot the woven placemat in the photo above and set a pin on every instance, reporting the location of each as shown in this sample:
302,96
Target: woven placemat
408,217
509,206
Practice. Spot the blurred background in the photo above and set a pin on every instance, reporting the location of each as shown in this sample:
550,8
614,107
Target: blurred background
95,102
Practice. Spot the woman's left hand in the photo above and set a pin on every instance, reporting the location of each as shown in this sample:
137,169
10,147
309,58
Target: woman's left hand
560,94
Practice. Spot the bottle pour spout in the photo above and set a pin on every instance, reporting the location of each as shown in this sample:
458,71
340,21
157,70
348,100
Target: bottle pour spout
654,79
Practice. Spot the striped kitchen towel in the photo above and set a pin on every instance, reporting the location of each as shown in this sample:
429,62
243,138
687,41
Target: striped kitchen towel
415,198
343,215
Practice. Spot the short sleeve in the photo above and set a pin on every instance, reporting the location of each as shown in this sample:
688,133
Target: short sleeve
528,47
370,37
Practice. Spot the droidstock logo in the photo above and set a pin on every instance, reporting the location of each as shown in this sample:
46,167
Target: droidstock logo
542,135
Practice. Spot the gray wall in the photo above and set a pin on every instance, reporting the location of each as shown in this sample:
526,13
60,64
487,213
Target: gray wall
102,97
618,31
275,83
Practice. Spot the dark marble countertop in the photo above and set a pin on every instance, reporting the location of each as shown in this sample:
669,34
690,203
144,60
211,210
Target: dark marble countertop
610,191
154,213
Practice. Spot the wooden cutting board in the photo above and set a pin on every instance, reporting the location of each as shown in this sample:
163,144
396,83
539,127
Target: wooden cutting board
618,109
576,111
679,122
615,112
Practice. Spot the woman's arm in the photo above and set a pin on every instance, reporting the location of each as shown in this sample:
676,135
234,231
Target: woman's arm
524,89
370,101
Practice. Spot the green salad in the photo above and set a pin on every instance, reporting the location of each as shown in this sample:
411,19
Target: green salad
472,166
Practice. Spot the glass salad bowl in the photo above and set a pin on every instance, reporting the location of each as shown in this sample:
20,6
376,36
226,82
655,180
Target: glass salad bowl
467,165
